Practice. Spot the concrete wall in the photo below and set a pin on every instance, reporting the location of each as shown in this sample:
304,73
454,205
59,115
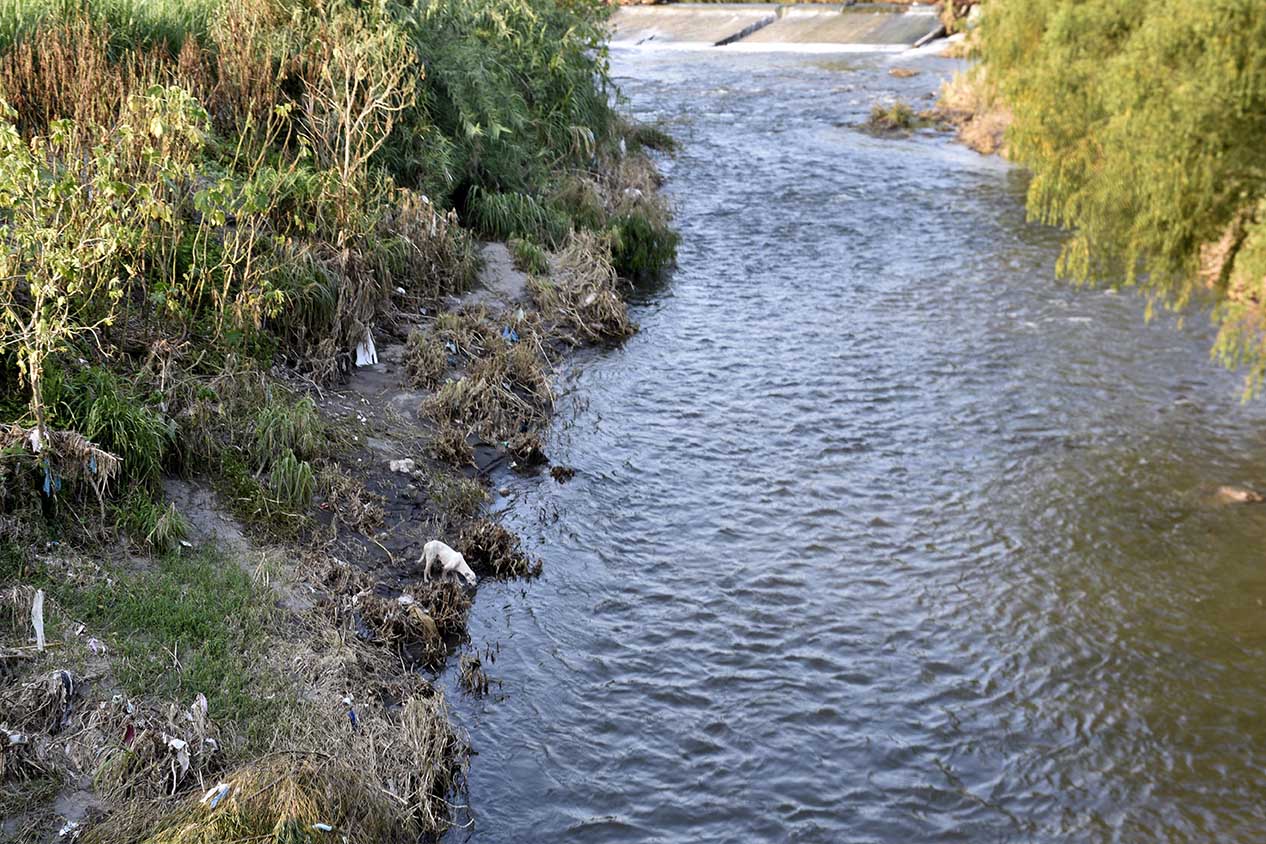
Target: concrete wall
773,26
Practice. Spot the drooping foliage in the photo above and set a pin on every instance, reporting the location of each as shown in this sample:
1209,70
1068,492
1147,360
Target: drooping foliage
1143,125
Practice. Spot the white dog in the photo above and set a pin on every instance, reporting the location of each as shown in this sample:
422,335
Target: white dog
450,561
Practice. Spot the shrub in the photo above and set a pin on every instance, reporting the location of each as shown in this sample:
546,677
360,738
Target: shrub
112,415
643,248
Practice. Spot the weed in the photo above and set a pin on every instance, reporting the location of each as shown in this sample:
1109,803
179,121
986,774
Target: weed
283,428
145,520
528,257
652,137
448,444
456,497
503,394
472,677
895,118
114,417
507,215
581,295
643,248
292,482
425,359
492,550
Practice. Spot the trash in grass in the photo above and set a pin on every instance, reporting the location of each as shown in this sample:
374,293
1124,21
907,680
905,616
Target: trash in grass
366,352
97,647
215,794
509,335
69,830
322,827
404,466
180,752
351,713
37,618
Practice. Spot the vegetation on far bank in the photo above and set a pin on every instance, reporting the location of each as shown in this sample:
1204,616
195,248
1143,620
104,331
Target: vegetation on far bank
211,209
1142,126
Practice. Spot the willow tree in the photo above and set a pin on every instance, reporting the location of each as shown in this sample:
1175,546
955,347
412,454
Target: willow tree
1144,125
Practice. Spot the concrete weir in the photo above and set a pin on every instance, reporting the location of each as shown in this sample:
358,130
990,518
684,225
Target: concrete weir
770,26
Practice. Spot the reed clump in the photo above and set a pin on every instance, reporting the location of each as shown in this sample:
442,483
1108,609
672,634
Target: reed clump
581,296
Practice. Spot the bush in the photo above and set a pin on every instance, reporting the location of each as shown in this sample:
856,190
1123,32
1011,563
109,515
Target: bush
112,415
643,248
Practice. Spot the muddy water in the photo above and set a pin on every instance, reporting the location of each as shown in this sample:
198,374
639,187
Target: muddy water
878,534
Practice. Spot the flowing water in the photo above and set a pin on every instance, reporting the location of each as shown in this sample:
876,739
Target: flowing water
878,533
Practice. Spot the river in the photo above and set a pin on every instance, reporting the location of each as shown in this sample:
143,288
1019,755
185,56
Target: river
878,532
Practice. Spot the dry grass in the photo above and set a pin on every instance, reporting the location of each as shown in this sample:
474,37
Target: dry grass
440,256
968,102
503,394
363,747
425,359
449,444
472,678
581,297
493,551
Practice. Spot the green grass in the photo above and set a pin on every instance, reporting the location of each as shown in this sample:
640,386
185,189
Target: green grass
282,427
528,257
507,215
194,623
644,248
110,413
146,520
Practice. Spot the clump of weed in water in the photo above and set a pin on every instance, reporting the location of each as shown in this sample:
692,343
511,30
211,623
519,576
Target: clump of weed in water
472,677
581,297
492,550
894,118
502,395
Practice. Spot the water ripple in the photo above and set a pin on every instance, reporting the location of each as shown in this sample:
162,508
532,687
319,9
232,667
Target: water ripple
878,534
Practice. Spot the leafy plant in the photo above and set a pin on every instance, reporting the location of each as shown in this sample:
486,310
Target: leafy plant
528,257
292,481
